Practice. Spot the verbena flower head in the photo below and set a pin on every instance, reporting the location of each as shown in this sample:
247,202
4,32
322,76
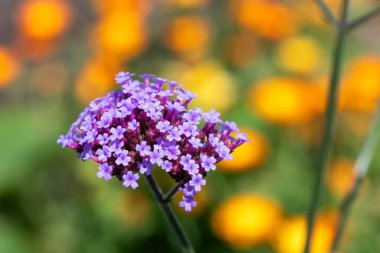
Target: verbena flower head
147,124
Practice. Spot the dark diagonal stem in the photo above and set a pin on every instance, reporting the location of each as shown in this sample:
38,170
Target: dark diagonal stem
361,20
361,167
328,125
170,216
327,12
169,196
344,212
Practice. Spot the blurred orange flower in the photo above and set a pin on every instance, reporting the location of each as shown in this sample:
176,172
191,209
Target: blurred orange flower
291,235
187,35
246,220
283,100
122,34
43,20
341,177
104,8
249,155
9,66
270,19
361,86
96,79
299,54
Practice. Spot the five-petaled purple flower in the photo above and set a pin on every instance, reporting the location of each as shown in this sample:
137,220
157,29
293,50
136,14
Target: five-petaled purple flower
123,158
156,155
117,133
195,142
130,180
143,148
174,134
133,125
164,126
105,171
188,197
208,162
143,125
197,182
103,154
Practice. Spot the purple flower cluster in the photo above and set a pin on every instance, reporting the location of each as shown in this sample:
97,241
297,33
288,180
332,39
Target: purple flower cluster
147,123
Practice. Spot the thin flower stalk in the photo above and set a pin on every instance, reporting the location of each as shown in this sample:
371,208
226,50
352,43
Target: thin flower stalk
361,169
343,27
362,19
327,12
164,205
327,138
169,196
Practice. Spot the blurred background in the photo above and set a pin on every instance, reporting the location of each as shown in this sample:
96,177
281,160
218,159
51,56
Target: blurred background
262,63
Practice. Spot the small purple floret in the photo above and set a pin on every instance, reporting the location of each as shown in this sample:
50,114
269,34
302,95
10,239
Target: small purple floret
123,158
208,162
197,182
130,180
105,171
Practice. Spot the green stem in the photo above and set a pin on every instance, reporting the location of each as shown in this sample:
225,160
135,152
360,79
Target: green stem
170,216
327,12
368,150
360,20
344,213
361,168
169,196
328,126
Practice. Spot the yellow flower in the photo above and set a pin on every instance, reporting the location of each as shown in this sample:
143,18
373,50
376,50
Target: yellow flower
291,234
96,79
299,54
361,87
208,79
187,35
341,177
9,67
283,100
43,20
249,155
270,19
121,33
246,220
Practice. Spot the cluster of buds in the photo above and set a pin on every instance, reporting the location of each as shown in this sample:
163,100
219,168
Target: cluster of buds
147,124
